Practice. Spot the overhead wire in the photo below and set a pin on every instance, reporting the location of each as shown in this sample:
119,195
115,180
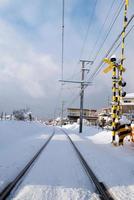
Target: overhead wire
108,52
73,100
119,9
98,68
101,30
120,41
95,73
88,28
86,35
85,39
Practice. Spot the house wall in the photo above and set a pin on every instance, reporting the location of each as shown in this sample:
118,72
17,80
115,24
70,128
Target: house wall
74,114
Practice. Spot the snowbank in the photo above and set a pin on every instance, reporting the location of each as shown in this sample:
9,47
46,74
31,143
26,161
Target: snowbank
113,165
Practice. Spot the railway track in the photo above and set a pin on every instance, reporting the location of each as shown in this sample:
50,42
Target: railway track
100,186
9,188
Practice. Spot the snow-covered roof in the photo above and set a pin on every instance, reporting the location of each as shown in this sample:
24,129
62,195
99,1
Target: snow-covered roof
130,95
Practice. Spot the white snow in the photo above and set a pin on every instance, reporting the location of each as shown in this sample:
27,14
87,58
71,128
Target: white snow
113,165
57,175
124,120
19,141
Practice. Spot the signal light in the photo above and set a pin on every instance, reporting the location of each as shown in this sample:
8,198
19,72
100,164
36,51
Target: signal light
113,58
122,83
123,94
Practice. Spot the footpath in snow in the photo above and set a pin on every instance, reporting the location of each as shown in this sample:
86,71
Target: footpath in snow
56,175
113,165
19,141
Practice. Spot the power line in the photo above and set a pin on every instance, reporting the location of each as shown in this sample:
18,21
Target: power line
74,99
121,42
71,102
86,35
89,27
96,71
110,28
101,29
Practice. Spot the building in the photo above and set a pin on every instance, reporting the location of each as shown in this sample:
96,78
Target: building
128,105
88,114
104,115
105,111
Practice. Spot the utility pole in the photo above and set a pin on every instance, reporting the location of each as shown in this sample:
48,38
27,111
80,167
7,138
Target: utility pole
62,110
62,56
83,84
83,69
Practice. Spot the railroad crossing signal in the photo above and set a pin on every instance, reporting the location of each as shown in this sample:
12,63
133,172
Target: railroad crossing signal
117,84
111,66
117,80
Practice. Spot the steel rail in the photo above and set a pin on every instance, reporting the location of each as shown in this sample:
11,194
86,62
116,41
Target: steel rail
9,188
100,186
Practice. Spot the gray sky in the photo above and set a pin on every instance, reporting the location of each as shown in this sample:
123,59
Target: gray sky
30,53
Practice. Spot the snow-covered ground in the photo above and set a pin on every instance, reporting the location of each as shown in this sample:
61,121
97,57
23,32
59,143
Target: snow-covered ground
57,174
19,141
113,165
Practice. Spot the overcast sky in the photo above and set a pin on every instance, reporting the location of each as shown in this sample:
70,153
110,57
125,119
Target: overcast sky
30,53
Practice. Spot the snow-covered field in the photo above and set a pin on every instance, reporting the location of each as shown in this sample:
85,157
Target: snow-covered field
19,141
113,165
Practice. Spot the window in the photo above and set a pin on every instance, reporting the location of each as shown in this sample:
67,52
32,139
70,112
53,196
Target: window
127,101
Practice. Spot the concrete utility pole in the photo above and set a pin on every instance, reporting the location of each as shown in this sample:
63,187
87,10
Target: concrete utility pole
82,91
62,110
83,84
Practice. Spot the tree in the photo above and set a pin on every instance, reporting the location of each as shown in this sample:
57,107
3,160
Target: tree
22,114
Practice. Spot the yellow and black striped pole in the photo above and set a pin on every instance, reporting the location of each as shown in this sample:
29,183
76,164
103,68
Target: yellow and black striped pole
118,92
113,65
114,101
122,55
117,80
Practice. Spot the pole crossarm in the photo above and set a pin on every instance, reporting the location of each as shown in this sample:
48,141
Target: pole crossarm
83,85
81,82
87,61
